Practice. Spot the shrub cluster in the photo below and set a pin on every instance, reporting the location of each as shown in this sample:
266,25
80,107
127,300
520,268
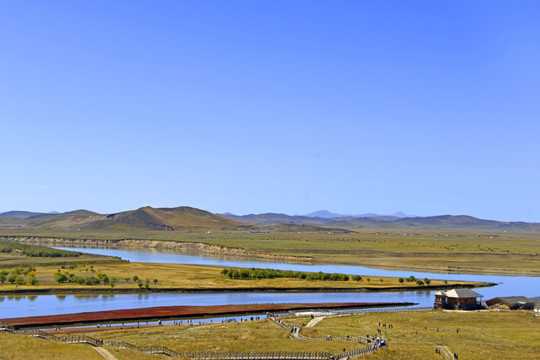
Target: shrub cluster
411,278
34,251
19,276
257,273
140,283
99,278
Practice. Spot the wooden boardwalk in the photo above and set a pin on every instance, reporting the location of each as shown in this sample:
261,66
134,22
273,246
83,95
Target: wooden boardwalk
222,355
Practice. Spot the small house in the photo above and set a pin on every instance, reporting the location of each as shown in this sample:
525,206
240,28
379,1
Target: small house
440,300
465,299
511,303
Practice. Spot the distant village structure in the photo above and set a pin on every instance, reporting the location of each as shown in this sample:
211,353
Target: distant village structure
464,299
513,303
467,299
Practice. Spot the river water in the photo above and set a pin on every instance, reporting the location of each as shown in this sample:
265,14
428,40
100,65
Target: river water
16,306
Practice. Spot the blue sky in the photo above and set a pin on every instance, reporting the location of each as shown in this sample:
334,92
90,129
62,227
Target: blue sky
426,107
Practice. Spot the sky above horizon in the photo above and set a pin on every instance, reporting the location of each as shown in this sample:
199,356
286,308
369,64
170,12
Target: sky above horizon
425,107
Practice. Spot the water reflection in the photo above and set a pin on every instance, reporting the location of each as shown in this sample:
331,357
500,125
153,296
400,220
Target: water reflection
49,304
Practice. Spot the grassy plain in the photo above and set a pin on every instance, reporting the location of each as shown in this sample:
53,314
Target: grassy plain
20,347
189,277
482,335
511,253
414,335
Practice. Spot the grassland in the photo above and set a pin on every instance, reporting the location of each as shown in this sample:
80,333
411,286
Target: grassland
171,277
482,335
19,347
509,253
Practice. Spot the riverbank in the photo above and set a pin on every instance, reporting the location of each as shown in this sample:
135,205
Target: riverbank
471,253
141,278
102,290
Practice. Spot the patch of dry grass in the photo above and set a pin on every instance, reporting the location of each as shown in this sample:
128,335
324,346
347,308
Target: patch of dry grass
172,276
483,335
415,249
262,335
20,347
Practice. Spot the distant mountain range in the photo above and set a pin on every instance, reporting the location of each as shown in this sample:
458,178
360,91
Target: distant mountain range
328,215
191,219
463,222
25,214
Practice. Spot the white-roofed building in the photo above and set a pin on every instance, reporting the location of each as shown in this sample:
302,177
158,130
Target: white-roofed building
466,299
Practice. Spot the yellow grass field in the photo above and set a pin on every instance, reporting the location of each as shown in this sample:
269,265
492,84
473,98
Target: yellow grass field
413,335
20,347
510,253
199,277
482,335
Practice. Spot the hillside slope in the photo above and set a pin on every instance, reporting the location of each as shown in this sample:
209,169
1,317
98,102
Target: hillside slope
449,222
144,219
169,219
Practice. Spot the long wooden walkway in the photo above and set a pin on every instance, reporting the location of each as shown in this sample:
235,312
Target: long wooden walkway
223,355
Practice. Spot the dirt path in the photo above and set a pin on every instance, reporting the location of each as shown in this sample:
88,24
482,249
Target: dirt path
105,353
314,321
446,352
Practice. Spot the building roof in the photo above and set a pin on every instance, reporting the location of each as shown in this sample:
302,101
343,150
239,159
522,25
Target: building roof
515,299
440,292
462,293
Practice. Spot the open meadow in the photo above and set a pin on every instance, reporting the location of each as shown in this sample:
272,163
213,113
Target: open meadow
20,347
413,335
510,253
117,276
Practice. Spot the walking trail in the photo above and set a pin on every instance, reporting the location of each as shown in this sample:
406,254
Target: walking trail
446,352
314,321
105,353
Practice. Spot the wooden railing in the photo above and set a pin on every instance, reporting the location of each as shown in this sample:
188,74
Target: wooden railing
224,355
260,355
355,311
360,311
357,352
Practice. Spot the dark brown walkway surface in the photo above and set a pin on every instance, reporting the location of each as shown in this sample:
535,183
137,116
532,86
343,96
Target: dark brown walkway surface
165,312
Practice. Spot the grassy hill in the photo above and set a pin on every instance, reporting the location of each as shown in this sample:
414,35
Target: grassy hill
20,214
167,219
146,218
191,219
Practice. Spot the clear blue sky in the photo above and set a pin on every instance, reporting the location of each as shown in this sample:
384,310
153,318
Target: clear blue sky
428,107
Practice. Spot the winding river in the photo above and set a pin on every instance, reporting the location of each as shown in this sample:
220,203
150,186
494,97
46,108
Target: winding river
15,306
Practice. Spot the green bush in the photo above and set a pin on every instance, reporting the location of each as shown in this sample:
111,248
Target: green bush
60,277
257,273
